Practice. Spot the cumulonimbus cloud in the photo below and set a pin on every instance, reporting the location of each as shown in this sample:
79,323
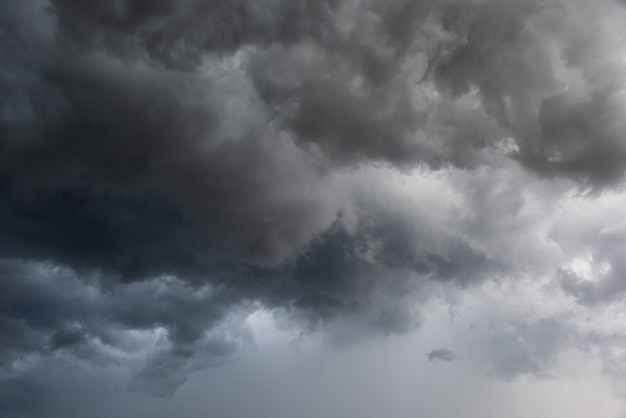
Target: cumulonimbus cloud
219,144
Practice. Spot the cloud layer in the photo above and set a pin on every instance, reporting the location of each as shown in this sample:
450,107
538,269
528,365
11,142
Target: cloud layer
168,167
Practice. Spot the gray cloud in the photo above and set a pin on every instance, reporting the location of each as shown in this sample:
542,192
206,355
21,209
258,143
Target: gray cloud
441,354
235,153
46,308
165,165
527,348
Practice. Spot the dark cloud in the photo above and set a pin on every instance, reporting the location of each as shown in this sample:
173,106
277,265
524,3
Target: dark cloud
167,164
67,337
115,157
441,354
46,309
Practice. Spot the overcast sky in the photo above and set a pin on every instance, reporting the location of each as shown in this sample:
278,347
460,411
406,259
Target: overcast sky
312,208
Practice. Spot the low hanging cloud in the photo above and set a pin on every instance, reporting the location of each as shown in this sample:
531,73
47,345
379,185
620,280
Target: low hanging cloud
167,167
441,354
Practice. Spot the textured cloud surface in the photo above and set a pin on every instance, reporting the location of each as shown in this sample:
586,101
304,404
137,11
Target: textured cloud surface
168,169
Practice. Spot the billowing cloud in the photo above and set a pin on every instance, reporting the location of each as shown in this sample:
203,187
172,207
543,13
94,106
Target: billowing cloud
168,167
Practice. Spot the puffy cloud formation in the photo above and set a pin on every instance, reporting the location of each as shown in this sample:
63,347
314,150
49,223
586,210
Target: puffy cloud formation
168,167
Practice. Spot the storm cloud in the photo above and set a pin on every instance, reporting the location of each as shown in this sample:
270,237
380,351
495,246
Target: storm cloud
169,167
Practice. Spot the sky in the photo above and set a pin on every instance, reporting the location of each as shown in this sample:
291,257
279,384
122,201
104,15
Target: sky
312,208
